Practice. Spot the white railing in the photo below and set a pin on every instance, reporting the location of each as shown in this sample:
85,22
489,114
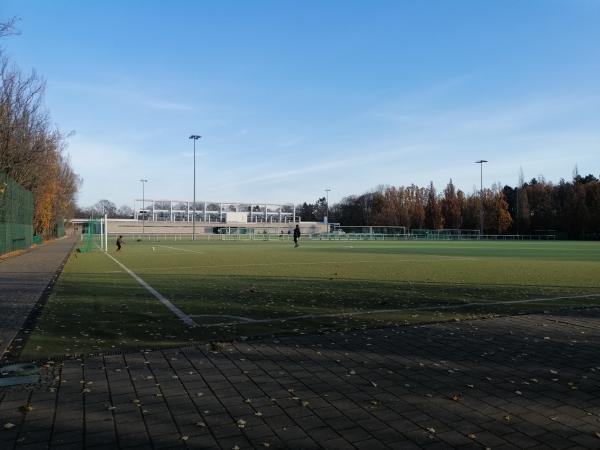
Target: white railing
157,237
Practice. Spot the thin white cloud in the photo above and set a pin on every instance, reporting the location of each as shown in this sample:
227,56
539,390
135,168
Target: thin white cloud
125,94
504,118
168,106
275,176
291,142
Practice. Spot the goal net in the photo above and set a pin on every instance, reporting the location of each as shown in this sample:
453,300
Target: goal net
90,236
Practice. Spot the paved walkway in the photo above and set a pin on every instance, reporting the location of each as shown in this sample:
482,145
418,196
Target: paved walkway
23,280
519,382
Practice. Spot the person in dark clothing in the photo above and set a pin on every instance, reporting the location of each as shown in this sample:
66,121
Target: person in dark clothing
119,242
296,235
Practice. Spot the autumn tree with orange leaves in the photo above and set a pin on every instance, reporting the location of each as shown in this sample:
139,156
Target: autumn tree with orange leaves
31,150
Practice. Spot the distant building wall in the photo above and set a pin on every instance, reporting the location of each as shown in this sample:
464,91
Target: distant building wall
127,226
236,217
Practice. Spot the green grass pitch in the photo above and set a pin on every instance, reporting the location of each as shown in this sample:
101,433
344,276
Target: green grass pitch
249,288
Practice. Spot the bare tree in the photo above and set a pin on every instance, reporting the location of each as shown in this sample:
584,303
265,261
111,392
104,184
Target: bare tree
9,27
32,152
125,212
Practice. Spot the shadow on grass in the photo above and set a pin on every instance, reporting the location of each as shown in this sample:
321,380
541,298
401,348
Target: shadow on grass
98,313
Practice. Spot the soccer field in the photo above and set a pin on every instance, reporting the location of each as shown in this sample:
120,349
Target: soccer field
247,288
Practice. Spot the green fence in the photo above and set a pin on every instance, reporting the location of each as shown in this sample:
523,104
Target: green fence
59,228
16,215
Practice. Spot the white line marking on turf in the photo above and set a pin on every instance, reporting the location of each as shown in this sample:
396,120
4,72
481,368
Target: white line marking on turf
510,302
174,309
311,263
378,311
242,319
181,249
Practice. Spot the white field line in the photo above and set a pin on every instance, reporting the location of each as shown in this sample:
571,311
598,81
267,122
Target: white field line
181,249
508,302
225,316
312,263
377,311
174,309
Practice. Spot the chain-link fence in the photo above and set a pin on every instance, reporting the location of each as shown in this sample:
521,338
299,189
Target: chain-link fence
16,215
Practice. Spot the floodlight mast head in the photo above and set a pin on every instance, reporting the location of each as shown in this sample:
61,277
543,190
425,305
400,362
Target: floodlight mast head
194,137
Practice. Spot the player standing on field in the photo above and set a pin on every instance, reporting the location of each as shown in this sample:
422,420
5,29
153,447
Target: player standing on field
296,235
119,242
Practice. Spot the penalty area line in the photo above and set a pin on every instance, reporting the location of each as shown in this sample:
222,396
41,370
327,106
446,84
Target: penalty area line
181,249
174,309
246,320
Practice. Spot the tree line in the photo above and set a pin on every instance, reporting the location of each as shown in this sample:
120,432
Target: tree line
102,207
32,150
568,209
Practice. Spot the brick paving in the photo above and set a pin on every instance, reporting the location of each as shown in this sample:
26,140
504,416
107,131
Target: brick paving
529,381
23,280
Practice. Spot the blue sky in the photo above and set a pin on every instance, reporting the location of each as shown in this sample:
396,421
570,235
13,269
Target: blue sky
292,97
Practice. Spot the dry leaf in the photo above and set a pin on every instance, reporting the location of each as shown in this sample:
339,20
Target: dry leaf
26,408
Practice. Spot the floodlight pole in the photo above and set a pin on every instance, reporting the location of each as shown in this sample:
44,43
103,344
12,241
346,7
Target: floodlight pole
194,137
327,210
481,162
143,181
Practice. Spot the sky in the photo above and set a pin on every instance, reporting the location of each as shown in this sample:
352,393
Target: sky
295,97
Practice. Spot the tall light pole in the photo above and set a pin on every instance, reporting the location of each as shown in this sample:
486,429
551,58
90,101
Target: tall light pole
194,137
143,205
481,162
327,213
